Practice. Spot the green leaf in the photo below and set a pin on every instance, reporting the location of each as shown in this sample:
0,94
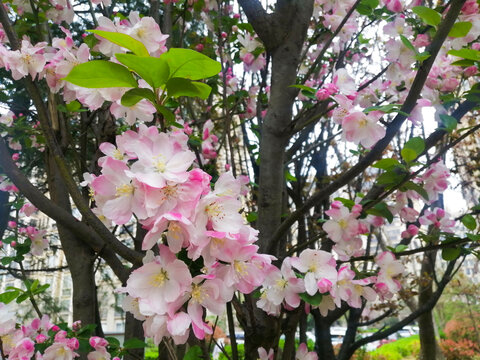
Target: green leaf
460,29
314,300
474,237
190,64
194,353
464,63
409,185
429,16
408,44
386,164
154,71
366,7
422,56
123,40
41,289
381,210
303,87
400,248
289,176
112,341
469,222
101,74
74,106
251,217
87,329
7,260
346,202
389,177
167,114
449,122
468,54
133,96
412,149
184,87
9,296
450,254
134,343
22,297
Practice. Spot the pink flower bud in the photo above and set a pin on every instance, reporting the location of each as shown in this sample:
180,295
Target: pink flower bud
234,28
440,213
12,224
236,16
77,325
73,343
199,47
1,243
13,243
412,230
40,338
324,285
15,156
322,94
476,46
470,71
224,34
55,328
227,167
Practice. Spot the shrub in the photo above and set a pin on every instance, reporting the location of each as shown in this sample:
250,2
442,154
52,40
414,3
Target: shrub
463,349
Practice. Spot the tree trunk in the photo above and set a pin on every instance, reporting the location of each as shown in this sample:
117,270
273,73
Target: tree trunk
283,37
80,258
323,339
429,349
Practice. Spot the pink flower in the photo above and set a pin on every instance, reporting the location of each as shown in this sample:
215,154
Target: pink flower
29,60
283,285
351,290
28,209
439,219
142,110
363,129
303,353
435,180
416,116
158,283
263,355
344,82
317,265
160,160
390,268
59,351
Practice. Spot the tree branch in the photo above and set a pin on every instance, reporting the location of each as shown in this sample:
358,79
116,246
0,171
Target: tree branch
56,212
260,20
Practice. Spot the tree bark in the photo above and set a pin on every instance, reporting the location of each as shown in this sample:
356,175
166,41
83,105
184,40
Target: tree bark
80,257
429,348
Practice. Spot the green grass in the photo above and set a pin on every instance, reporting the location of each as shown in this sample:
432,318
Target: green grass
397,350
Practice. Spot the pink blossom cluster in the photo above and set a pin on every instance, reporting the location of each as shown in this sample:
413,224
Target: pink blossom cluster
56,61
57,11
439,219
435,180
249,44
318,275
209,141
37,237
344,229
19,340
150,175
